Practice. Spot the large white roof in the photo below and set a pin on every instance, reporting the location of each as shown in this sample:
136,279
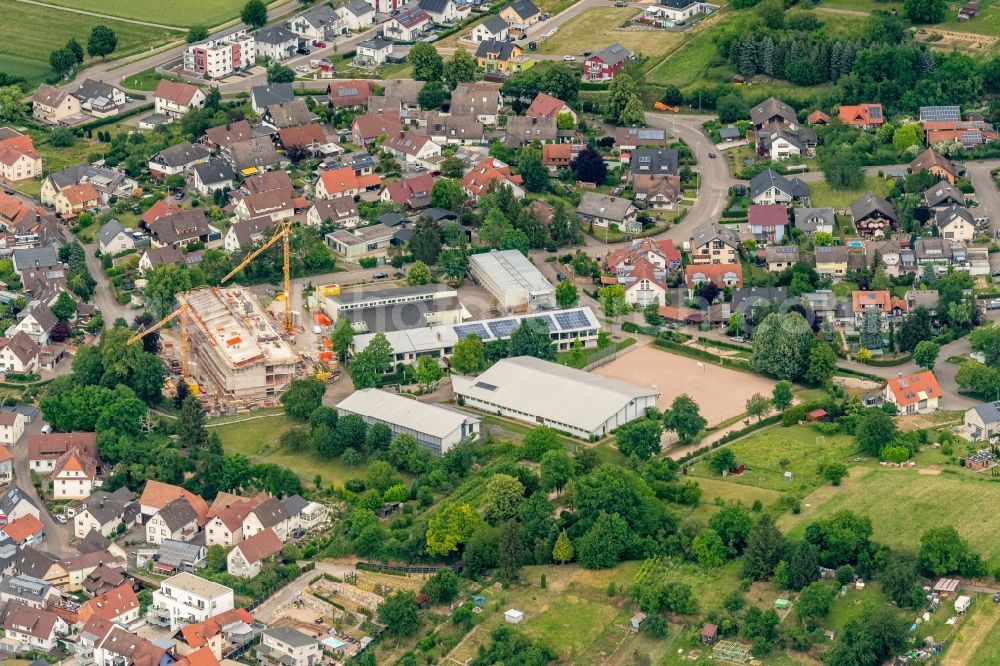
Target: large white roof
552,391
405,412
512,270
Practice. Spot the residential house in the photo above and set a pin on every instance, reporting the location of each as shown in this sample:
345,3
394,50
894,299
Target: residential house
983,421
276,43
71,201
520,15
123,647
108,183
413,192
175,556
811,221
120,605
557,155
267,182
226,527
103,579
934,252
18,158
778,141
156,256
447,130
275,205
46,567
658,192
6,470
943,195
521,130
15,504
112,238
304,514
713,243
644,284
181,228
186,598
407,25
103,512
54,105
343,182
288,114
218,634
223,136
370,53
721,275
767,223
486,174
253,155
411,147
769,188
354,93
879,300
773,110
494,28
44,449
268,514
177,159
780,257
315,24
157,495
247,558
25,531
479,100
493,57
602,66
547,105
11,428
233,51
817,117
100,99
29,629
916,393
214,175
174,99
356,15
37,323
74,476
261,97
684,10
18,354
442,11
605,211
956,224
862,116
285,646
944,123
177,521
748,299
831,260
873,215
935,163
646,161
340,211
367,128
247,234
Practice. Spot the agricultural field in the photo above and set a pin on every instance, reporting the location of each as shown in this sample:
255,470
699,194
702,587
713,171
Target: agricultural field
25,51
770,453
595,28
181,13
903,503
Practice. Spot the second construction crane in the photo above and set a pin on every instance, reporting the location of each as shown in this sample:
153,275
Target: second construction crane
285,235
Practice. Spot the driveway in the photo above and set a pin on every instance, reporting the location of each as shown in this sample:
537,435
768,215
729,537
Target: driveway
56,535
103,298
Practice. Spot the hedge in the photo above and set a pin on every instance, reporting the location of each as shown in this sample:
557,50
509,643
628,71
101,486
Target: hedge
890,362
723,344
700,354
111,120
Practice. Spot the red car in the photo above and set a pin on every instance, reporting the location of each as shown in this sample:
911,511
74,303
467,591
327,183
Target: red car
319,44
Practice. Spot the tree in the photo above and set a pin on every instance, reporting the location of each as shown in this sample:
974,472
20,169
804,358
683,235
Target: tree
102,41
432,95
803,567
684,417
540,441
425,245
428,371
926,353
61,61
906,136
765,548
343,336
447,193
460,68
531,338
814,602
442,587
450,528
399,611
871,639
900,581
515,239
733,524
197,33
468,356
534,173
640,438
419,274
426,61
74,47
380,475
303,397
567,295
379,437
562,551
510,552
871,329
620,93
633,114
589,166
556,470
914,329
822,364
722,461
843,171
781,345
504,495
64,307
943,551
834,472
874,431
12,106
781,394
453,262
278,73
708,549
731,108
254,14
602,545
613,300
925,11
757,406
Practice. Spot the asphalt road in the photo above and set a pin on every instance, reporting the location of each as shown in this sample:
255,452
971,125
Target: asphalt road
56,535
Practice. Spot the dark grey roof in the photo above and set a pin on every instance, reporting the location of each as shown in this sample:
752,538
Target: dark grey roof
317,16
678,4
830,253
712,231
393,219
178,513
989,412
214,171
612,55
604,207
294,504
275,93
108,232
270,513
434,6
181,155
943,191
105,507
375,44
771,108
25,587
43,315
359,7
771,178
524,8
489,47
438,214
871,203
36,257
654,161
94,542
290,637
275,34
747,298
729,133
802,137
91,89
932,249
34,563
14,496
495,24
945,217
806,219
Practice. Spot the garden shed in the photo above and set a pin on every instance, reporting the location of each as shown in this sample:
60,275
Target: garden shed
513,616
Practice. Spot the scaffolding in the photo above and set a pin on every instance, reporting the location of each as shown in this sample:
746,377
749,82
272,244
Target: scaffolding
732,651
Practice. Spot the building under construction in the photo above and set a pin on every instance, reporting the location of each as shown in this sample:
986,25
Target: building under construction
237,354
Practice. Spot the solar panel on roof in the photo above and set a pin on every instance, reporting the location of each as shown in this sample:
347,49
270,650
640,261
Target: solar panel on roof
650,134
546,321
465,330
940,113
502,327
875,112
572,319
484,385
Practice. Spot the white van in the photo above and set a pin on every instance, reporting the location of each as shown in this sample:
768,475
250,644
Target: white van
46,429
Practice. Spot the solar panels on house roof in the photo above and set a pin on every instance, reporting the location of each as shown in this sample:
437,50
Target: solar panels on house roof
940,114
465,330
786,249
502,327
874,112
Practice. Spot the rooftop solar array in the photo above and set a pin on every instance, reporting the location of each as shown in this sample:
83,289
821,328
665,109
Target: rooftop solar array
465,330
502,327
940,114
572,319
875,112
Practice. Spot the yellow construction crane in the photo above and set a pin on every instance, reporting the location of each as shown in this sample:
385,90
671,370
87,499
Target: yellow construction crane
284,234
180,312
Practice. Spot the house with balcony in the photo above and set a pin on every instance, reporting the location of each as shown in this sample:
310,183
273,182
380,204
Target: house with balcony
186,598
714,243
602,66
30,630
247,559
285,646
177,520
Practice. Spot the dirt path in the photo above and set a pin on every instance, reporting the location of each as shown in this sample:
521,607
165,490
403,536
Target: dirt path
970,636
103,16
848,12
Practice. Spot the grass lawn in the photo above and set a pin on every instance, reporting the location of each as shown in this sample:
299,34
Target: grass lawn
844,288
850,605
33,70
762,453
258,440
977,640
30,31
60,158
183,13
595,27
720,489
823,196
147,80
904,503
585,357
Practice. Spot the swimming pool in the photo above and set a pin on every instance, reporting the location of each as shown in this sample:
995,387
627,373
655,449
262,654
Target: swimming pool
333,643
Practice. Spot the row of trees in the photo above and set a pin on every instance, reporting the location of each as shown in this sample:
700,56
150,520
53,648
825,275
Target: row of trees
101,43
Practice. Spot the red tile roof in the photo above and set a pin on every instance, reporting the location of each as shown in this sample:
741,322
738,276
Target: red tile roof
544,105
911,389
78,195
175,91
876,299
862,114
114,603
555,154
157,494
159,209
261,545
714,273
767,216
817,116
54,444
23,527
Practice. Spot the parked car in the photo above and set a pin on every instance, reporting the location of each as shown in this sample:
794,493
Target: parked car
711,156
380,276
621,4
994,304
560,277
9,192
61,518
320,45
298,534
569,58
179,195
738,338
996,597
586,54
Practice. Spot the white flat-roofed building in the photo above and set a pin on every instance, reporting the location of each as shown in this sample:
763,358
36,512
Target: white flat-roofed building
545,393
434,427
186,599
393,309
565,328
515,282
